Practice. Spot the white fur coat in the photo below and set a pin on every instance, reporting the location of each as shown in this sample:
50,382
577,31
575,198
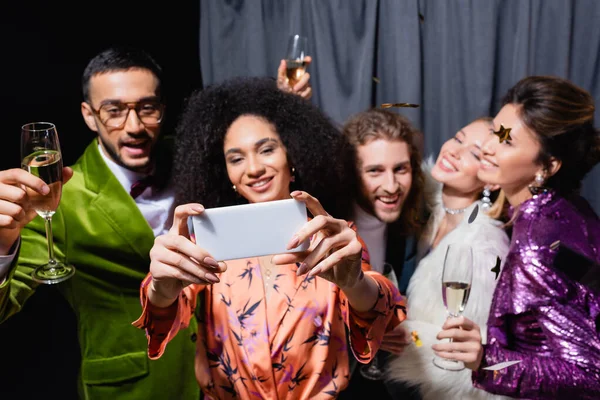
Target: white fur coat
426,311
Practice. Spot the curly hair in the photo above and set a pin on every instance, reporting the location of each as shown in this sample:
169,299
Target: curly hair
561,115
374,124
316,149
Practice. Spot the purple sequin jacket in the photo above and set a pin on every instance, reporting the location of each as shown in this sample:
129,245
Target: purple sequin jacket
540,316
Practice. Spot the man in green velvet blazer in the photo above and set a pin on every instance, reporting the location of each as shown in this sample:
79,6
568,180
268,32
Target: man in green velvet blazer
106,234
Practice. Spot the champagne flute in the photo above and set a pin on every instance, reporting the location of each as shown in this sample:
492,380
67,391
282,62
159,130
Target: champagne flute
294,60
456,287
372,371
41,156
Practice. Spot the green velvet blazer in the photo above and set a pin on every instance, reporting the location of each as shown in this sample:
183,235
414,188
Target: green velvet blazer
99,229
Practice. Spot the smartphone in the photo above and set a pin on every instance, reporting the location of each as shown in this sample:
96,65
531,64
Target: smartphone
250,230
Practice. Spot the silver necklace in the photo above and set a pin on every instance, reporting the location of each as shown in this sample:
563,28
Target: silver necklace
454,211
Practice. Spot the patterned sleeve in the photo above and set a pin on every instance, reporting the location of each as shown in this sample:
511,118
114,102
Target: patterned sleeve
162,324
366,329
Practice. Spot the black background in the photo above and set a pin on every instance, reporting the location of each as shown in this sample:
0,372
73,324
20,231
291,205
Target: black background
45,48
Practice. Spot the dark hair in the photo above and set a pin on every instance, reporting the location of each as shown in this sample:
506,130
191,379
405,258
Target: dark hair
374,124
561,115
119,59
316,150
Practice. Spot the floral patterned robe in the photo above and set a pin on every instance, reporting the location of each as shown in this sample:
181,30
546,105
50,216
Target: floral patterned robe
294,346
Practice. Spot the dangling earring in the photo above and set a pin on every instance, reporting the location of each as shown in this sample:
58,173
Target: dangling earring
538,187
539,179
234,188
487,202
293,177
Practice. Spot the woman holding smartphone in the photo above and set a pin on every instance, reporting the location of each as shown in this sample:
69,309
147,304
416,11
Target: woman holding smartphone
540,318
277,326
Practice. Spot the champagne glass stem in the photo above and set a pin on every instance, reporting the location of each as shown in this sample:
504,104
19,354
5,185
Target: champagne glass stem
447,318
50,240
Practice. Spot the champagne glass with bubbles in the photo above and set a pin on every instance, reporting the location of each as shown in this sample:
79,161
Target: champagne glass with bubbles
41,156
456,287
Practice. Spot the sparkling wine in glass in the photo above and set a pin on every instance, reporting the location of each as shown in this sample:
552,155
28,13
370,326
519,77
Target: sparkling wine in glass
41,156
296,66
456,286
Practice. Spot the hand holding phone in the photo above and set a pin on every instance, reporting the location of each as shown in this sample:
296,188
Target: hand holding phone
176,262
335,253
250,230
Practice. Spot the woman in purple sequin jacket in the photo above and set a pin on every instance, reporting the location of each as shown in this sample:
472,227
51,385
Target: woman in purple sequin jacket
539,315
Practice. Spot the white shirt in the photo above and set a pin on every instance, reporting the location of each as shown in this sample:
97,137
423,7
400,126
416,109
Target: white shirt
373,232
155,207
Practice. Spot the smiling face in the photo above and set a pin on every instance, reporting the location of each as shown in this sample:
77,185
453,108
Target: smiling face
458,162
130,145
512,164
256,160
386,177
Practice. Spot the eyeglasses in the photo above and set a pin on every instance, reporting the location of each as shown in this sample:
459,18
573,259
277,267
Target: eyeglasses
114,115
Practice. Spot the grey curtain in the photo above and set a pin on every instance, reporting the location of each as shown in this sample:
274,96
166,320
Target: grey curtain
456,58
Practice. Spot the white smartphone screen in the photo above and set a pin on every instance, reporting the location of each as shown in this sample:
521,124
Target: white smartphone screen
250,230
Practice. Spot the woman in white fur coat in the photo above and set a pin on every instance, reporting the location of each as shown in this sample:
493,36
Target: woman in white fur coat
451,196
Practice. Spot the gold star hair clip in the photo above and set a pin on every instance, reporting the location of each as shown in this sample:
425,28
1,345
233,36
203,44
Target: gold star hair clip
503,133
399,105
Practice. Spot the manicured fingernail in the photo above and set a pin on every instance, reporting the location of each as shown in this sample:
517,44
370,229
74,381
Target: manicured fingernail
295,193
315,271
210,261
293,243
198,208
301,269
212,277
45,189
